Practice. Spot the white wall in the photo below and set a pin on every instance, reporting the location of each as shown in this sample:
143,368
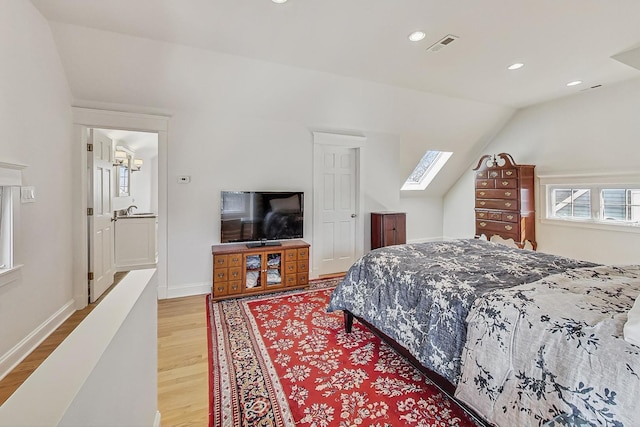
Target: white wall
35,129
595,131
243,124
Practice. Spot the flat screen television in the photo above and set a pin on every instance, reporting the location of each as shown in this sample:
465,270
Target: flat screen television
261,216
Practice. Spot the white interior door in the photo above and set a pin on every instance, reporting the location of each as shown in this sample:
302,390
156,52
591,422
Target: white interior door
100,223
338,198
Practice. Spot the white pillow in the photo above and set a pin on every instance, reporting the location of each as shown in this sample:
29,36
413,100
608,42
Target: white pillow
631,329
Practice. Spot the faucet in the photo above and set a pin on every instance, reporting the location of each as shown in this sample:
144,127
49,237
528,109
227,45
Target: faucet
129,209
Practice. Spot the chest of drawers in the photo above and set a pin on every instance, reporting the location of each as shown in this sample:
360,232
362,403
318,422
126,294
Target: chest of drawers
504,199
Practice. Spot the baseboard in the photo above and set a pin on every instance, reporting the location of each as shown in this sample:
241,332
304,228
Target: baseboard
187,290
13,357
426,239
156,421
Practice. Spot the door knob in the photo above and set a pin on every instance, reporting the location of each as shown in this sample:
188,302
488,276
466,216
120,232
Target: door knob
353,215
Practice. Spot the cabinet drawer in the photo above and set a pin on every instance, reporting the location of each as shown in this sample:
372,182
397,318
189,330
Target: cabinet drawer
506,183
509,205
482,214
496,226
494,174
290,279
497,194
234,260
303,278
235,273
220,289
510,173
495,216
220,261
303,266
481,175
220,275
291,267
510,217
303,253
235,287
291,255
485,183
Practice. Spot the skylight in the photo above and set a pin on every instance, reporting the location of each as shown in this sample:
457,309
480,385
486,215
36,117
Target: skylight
426,170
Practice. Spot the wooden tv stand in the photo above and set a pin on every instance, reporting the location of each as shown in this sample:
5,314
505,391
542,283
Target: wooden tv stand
239,270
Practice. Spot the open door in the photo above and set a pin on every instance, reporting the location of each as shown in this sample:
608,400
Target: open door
101,221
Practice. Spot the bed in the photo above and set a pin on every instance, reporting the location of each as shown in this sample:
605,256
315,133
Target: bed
418,297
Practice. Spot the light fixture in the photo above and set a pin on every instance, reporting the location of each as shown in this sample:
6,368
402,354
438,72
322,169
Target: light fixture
515,66
120,158
574,83
279,1
137,165
416,36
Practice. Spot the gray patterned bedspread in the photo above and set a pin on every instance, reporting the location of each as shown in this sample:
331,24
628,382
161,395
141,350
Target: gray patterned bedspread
552,352
420,294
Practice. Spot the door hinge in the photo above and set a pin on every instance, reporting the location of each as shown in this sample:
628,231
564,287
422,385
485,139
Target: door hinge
89,147
89,211
90,275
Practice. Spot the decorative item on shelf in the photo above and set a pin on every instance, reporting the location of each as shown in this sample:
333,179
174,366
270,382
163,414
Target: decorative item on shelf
137,165
121,158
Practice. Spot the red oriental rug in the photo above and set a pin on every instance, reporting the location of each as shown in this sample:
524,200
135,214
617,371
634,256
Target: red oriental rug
284,361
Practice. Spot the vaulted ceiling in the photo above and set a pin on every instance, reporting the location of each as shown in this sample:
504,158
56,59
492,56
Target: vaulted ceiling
558,41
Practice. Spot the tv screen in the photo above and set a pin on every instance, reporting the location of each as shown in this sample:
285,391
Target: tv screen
261,215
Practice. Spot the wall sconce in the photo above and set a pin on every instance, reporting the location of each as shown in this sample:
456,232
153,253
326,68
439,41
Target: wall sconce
137,165
120,158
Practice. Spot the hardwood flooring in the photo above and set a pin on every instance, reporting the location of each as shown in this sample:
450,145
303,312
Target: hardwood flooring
183,385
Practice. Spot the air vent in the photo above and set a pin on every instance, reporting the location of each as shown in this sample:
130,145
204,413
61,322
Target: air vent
444,42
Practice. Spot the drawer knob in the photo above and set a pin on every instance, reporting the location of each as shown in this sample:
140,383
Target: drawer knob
484,183
509,216
508,204
220,275
482,193
234,274
482,203
508,227
483,224
505,183
507,193
481,215
509,173
493,174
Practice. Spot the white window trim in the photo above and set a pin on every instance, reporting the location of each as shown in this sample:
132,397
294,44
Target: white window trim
595,181
11,177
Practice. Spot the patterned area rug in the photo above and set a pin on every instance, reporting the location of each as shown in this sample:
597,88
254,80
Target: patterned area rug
283,360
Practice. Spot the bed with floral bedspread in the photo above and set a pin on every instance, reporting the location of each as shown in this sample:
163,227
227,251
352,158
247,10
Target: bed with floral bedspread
553,352
419,295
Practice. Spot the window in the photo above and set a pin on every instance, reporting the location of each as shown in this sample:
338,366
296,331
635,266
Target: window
600,204
426,170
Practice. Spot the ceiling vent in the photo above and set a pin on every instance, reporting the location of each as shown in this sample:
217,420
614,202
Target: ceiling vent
441,44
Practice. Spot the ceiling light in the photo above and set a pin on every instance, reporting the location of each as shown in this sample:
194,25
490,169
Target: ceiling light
279,1
574,83
515,66
416,36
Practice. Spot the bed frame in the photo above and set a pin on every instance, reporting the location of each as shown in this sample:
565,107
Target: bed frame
438,380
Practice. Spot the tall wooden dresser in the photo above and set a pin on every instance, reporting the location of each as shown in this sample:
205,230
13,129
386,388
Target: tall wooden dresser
388,228
504,199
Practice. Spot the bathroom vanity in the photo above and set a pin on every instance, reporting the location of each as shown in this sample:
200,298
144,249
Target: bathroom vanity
136,241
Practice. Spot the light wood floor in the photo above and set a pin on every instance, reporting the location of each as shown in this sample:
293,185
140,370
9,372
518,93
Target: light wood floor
183,385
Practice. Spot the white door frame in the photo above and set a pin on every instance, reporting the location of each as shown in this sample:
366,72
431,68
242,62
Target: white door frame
347,141
84,118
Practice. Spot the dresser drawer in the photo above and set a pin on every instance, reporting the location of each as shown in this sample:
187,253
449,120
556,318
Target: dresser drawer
506,183
220,261
510,217
497,194
303,253
509,205
291,255
291,267
235,273
510,173
235,287
303,266
485,183
234,260
303,278
220,275
220,289
482,214
481,175
498,226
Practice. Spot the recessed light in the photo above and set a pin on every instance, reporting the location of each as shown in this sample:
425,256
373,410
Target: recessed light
515,66
279,1
574,83
416,36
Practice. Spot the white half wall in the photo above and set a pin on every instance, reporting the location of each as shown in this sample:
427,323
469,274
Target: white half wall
592,132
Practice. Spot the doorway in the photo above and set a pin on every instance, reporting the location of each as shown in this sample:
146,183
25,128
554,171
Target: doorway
85,119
